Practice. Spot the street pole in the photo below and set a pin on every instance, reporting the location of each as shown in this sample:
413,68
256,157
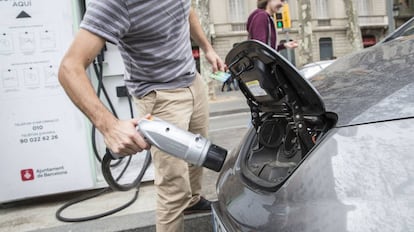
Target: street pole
391,23
289,55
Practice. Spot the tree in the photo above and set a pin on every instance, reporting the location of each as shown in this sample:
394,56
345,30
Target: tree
354,31
305,32
202,9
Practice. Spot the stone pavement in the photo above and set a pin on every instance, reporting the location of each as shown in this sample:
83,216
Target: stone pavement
38,214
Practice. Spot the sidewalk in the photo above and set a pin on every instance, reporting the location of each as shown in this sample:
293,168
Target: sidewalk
228,103
39,214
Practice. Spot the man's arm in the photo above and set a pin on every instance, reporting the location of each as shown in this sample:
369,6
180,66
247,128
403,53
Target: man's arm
120,136
200,38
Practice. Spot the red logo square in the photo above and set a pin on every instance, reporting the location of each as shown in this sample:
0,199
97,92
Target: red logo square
27,174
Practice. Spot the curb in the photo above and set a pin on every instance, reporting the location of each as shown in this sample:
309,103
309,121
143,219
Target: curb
139,222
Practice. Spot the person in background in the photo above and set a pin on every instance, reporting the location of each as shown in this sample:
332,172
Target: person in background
260,25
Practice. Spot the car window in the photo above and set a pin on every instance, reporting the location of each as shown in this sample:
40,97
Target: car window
312,69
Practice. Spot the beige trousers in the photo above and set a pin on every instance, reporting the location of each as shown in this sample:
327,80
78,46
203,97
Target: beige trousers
178,184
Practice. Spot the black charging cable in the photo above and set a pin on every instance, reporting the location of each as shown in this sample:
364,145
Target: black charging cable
107,161
113,183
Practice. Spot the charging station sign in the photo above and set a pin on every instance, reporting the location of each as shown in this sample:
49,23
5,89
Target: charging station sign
43,137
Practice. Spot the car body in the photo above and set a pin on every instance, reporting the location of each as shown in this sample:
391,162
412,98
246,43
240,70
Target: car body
333,153
311,69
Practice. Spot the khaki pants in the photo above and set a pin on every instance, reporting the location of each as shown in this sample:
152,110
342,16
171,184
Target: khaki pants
178,184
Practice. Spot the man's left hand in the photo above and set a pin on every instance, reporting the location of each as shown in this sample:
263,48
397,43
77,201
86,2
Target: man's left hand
215,61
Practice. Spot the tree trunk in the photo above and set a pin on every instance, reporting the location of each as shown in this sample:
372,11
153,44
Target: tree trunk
202,9
305,33
354,31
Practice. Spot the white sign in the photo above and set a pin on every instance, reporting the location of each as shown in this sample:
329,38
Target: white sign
43,136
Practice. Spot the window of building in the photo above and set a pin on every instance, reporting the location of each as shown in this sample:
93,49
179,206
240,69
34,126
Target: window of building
364,7
322,9
325,48
237,11
404,3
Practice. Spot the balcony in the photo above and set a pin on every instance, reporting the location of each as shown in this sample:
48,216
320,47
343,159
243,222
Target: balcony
238,26
324,22
372,21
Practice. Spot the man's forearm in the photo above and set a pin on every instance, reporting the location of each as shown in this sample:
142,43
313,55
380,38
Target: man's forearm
197,33
200,38
73,78
80,90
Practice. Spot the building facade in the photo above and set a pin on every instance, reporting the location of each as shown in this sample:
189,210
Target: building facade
329,24
403,10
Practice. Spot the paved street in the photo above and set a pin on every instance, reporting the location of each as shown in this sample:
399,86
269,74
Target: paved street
229,116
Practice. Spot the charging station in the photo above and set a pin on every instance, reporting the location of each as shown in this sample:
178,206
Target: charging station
46,140
44,137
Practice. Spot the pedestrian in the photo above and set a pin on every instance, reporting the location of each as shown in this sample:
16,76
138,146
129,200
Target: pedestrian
154,40
260,25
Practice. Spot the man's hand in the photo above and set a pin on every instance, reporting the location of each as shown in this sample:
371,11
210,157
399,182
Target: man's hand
291,44
123,139
216,63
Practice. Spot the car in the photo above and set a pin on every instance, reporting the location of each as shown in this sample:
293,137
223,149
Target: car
406,29
332,153
311,69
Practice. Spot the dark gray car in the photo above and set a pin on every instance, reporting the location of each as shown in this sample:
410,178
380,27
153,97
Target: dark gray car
333,154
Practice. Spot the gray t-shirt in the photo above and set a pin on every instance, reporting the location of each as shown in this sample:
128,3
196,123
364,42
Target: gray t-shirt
153,38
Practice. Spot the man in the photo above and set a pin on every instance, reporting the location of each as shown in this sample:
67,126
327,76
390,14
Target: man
154,40
260,25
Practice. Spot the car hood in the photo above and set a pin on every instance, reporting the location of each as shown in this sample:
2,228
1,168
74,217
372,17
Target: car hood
372,85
